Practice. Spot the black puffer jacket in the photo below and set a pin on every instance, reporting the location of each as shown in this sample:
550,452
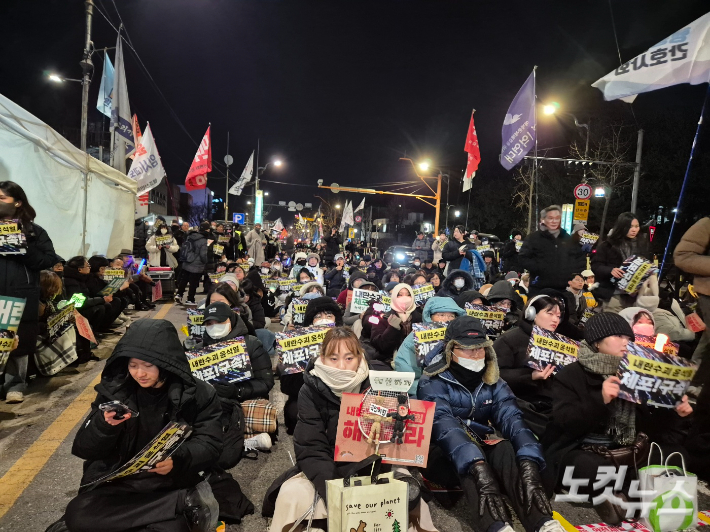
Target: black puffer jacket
449,290
105,448
263,377
451,254
551,260
19,274
200,255
76,282
258,316
314,437
509,254
332,247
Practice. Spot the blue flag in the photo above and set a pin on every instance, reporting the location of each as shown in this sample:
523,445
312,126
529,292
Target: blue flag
519,125
105,91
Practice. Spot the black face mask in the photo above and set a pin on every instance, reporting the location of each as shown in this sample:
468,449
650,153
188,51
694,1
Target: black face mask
301,262
60,274
6,209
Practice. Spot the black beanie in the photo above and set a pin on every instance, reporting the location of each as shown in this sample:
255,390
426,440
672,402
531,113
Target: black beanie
322,304
606,324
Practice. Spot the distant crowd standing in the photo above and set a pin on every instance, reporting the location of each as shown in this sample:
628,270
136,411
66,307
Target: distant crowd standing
503,432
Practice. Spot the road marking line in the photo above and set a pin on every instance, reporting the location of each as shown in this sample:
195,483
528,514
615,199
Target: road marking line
565,524
22,473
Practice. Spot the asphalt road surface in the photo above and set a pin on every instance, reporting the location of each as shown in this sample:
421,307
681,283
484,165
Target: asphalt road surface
39,475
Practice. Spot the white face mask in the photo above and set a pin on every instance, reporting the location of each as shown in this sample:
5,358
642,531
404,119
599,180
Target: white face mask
323,321
265,270
472,365
218,330
459,283
163,231
277,267
644,329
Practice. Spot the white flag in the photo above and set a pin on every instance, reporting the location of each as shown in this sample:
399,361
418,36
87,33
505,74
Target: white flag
361,206
684,57
348,213
244,178
278,225
147,168
121,125
103,104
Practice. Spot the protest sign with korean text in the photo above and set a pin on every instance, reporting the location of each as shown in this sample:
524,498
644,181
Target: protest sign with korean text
215,277
650,377
112,287
669,348
549,348
115,273
11,309
157,292
223,362
12,240
299,311
588,238
83,327
493,318
351,444
195,320
59,322
361,300
159,449
636,271
518,245
218,250
297,347
165,240
422,292
427,336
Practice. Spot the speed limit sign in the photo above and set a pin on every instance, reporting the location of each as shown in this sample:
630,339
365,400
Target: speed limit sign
583,191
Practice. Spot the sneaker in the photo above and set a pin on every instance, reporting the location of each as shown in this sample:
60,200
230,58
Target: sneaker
178,299
16,397
190,303
259,442
123,317
551,526
415,489
201,508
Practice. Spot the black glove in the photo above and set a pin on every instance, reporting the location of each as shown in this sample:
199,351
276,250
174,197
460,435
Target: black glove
530,488
489,492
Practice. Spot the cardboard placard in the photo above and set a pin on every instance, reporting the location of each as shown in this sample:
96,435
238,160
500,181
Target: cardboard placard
112,287
589,238
11,309
164,240
351,444
422,292
694,322
670,348
493,318
391,381
299,311
159,449
518,245
549,348
296,348
110,275
223,239
361,300
59,322
222,362
636,271
83,327
286,285
218,249
427,336
12,240
215,277
650,377
157,291
195,319
385,301
483,247
588,313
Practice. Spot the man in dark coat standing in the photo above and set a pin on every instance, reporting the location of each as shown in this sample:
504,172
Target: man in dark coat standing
550,254
332,246
195,257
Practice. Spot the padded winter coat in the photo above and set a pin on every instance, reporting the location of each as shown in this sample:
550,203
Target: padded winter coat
493,403
406,357
449,290
105,448
551,260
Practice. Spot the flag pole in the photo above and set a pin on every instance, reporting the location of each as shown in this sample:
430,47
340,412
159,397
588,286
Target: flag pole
535,178
226,190
685,179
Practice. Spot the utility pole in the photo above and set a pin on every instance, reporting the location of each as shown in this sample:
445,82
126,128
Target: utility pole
88,68
637,172
228,161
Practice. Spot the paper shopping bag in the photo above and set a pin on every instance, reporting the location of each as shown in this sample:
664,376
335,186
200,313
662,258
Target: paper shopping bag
670,495
359,504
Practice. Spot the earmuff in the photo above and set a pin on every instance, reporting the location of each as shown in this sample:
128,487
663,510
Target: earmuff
530,311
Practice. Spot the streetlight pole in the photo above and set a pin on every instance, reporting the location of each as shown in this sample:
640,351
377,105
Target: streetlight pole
637,172
88,69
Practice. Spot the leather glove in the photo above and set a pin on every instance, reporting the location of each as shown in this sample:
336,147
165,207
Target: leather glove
530,488
394,321
489,495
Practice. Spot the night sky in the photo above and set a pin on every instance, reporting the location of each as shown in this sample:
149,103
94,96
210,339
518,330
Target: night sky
339,90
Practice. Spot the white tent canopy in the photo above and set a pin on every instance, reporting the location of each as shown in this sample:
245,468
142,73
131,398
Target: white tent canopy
85,205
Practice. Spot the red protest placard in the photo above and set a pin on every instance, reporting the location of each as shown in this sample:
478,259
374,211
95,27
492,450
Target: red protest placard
157,291
694,322
351,444
83,327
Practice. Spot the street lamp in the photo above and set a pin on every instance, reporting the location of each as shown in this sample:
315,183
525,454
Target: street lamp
266,193
337,206
552,108
278,162
424,166
457,213
248,202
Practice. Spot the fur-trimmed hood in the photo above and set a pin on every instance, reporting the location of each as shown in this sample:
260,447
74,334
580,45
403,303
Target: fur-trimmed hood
308,286
438,360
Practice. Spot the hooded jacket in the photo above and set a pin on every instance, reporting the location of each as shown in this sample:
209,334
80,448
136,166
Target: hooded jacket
343,296
302,294
492,407
317,428
105,448
199,255
337,280
449,290
509,254
551,260
322,304
406,357
262,380
468,296
76,282
386,338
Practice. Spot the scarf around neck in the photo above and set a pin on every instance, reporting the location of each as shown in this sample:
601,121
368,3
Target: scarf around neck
341,381
622,424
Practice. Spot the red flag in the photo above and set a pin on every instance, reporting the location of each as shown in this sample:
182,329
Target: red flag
474,155
137,135
201,164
